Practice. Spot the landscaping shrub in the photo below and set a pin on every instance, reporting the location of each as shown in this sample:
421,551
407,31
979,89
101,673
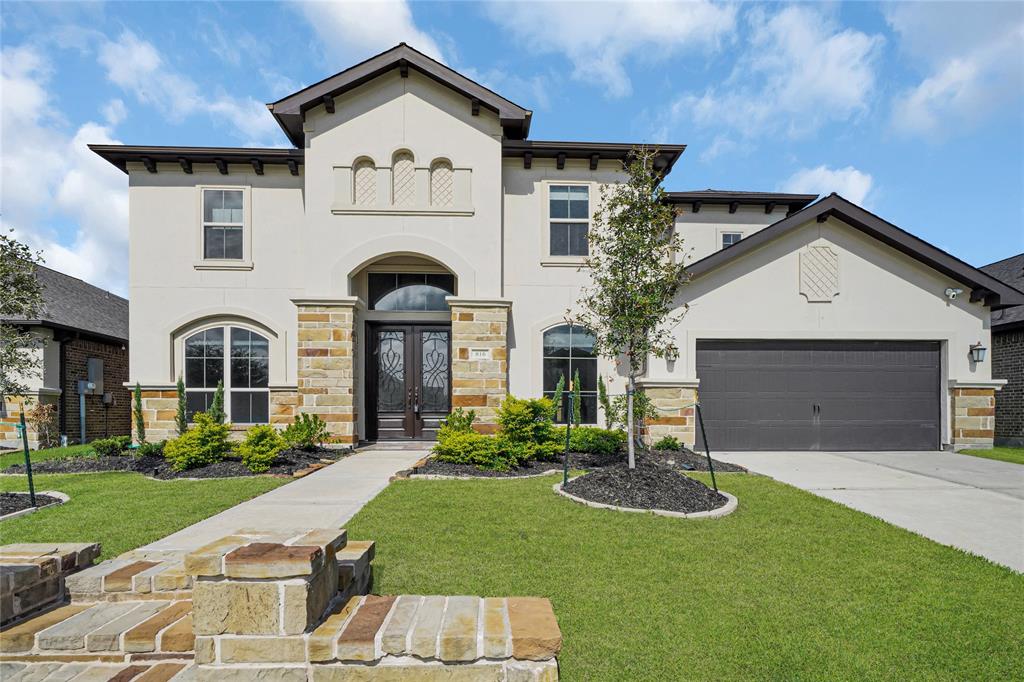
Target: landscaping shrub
181,413
643,409
525,420
205,443
216,410
42,417
460,420
108,447
668,443
147,449
260,448
470,447
592,439
137,414
306,432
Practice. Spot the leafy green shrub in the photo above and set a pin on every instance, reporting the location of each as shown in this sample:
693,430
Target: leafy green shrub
668,443
137,414
146,449
525,420
470,447
260,448
556,399
110,447
205,443
643,409
306,432
460,420
593,439
181,414
216,410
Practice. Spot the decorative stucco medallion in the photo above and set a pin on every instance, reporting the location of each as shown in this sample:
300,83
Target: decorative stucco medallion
819,274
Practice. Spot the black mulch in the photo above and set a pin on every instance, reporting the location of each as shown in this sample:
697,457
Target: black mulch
16,502
577,460
693,461
286,464
651,485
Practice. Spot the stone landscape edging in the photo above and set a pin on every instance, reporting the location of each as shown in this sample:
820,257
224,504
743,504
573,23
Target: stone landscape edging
446,477
52,493
728,508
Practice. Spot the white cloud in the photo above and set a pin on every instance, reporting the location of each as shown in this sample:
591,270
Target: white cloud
599,37
800,70
848,182
115,112
51,178
353,31
974,56
136,66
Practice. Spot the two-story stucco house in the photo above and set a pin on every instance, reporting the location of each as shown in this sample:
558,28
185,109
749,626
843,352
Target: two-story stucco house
416,251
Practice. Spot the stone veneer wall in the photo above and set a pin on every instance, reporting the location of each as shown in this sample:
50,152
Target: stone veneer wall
479,384
676,415
159,406
974,415
1008,363
10,437
327,372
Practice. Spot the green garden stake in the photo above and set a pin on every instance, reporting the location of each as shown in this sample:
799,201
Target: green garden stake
707,448
568,428
28,462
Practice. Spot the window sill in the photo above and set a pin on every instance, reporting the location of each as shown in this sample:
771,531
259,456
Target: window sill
411,210
222,265
564,262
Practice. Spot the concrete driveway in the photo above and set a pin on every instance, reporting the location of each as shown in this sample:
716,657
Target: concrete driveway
968,502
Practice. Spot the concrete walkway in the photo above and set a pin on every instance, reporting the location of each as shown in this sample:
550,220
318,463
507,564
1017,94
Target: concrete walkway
967,502
325,499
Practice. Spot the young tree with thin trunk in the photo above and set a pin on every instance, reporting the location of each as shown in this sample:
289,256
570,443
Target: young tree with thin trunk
21,298
636,271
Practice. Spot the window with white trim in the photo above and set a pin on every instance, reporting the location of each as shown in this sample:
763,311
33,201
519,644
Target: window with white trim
568,351
223,224
730,238
569,217
246,378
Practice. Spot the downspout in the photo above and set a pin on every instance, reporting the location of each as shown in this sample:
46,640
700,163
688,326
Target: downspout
62,417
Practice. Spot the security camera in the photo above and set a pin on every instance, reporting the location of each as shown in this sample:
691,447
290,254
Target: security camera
952,293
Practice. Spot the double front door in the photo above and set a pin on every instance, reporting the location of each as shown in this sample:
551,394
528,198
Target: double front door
408,380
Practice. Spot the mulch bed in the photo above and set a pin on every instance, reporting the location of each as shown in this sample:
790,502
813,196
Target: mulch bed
651,485
693,461
577,460
16,502
286,464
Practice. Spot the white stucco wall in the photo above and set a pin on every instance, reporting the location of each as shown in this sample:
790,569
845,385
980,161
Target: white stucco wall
702,231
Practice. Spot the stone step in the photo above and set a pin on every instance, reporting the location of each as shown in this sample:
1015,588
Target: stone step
169,671
136,575
32,575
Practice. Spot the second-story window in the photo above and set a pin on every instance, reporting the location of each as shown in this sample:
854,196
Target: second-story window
730,238
569,216
222,224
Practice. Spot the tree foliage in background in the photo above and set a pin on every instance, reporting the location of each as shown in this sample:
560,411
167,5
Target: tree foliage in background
636,271
21,297
140,419
181,416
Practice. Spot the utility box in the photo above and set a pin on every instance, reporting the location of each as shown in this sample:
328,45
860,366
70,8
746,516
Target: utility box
94,372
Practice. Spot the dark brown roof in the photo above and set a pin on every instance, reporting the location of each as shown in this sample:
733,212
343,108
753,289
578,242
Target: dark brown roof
1009,271
73,305
551,149
290,111
725,196
983,286
120,155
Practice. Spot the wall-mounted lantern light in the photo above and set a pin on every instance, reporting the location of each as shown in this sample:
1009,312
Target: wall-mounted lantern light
978,352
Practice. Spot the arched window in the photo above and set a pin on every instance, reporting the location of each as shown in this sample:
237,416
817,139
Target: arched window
569,349
241,359
442,190
403,169
409,290
364,183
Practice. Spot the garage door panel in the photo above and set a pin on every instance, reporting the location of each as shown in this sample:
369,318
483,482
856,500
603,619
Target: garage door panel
760,395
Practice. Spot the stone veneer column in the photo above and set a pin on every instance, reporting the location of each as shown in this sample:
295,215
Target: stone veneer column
480,357
159,409
973,413
674,401
326,366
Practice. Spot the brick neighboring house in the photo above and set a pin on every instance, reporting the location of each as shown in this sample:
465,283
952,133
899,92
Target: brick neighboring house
79,323
1008,355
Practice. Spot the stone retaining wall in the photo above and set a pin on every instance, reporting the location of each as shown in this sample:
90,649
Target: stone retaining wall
32,575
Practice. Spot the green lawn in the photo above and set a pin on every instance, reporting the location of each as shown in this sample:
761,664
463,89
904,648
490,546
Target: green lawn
790,586
18,457
1014,455
122,510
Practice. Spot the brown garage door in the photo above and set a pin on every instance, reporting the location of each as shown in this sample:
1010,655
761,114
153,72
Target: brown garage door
820,395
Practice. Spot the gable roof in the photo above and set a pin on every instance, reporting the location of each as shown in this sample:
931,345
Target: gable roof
290,111
984,287
73,305
1010,271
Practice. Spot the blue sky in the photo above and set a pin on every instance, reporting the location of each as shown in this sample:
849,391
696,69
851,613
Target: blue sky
915,110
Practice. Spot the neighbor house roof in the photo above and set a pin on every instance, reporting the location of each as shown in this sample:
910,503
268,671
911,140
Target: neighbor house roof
290,111
734,198
667,154
984,287
1010,271
73,305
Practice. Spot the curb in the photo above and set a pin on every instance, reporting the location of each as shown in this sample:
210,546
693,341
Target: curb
728,508
443,477
52,493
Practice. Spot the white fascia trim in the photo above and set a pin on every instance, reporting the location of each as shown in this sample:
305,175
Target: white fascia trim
996,384
478,302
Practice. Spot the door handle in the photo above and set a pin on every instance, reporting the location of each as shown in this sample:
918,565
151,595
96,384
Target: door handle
416,400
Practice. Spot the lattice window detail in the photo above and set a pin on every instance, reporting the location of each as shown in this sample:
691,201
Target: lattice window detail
365,183
404,179
442,184
819,274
